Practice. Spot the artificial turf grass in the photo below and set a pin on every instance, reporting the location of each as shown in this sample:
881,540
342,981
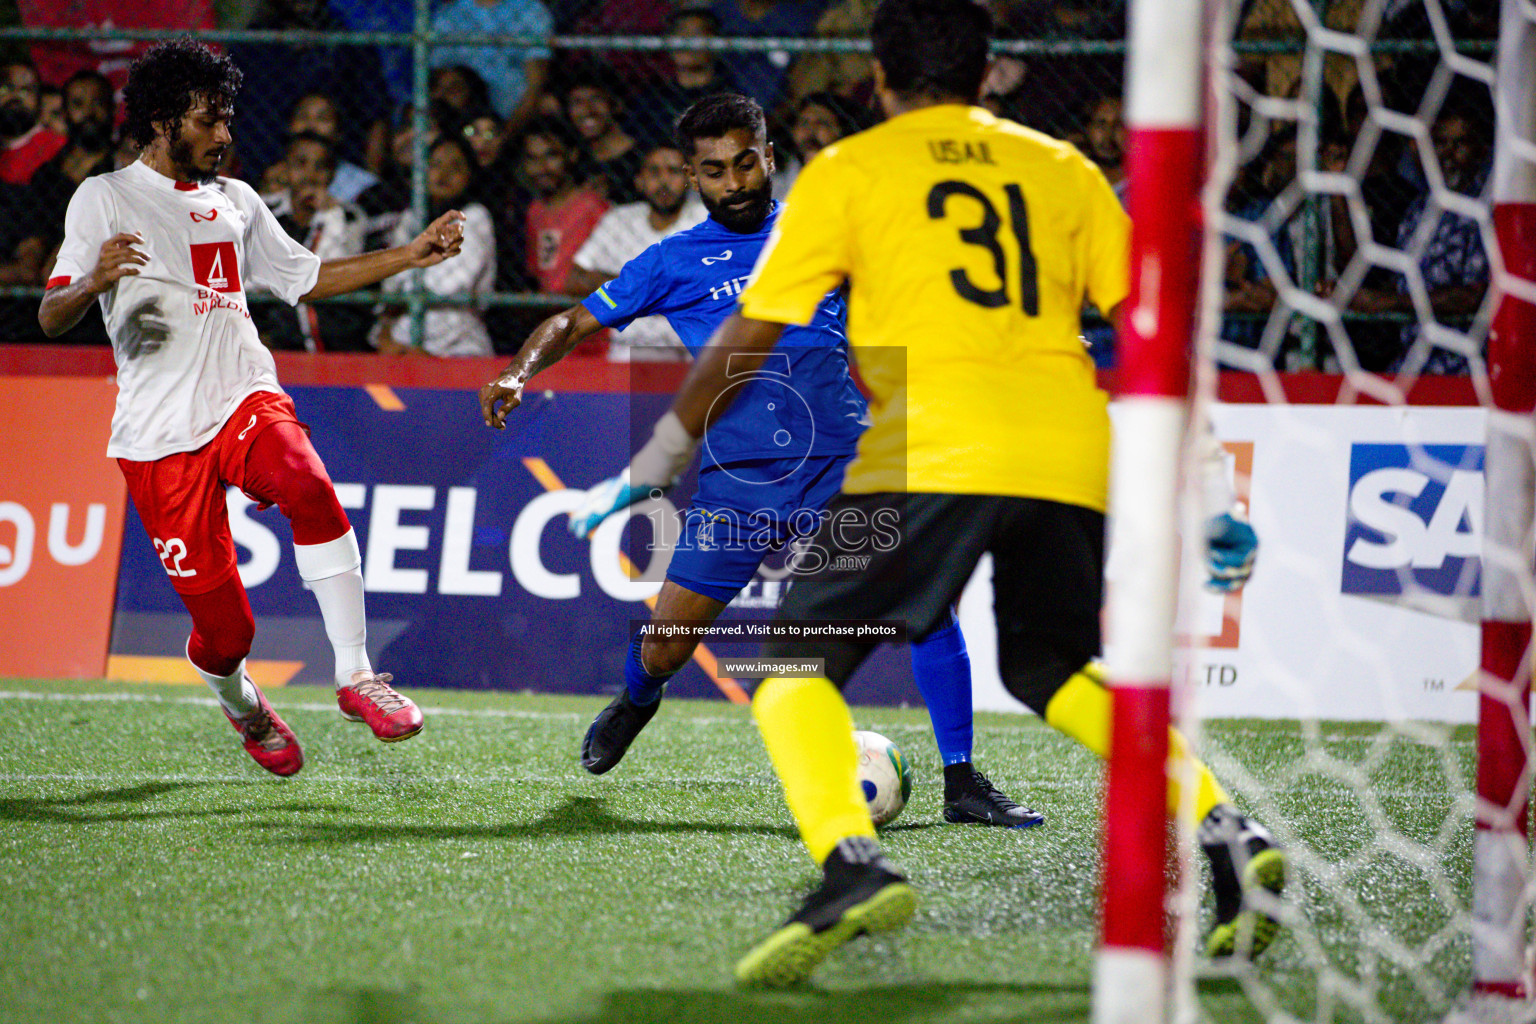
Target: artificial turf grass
476,873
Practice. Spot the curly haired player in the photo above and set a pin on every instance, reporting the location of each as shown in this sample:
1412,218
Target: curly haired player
167,247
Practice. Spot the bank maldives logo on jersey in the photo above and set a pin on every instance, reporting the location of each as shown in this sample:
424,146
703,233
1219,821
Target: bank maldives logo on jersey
215,266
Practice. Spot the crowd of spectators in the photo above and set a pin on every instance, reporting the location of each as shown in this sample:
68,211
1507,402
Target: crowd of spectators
564,165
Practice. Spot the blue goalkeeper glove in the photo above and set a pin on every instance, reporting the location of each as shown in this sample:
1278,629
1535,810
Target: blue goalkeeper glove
1231,545
612,495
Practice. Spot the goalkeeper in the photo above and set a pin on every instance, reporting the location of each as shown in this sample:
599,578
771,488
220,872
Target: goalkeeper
771,464
969,245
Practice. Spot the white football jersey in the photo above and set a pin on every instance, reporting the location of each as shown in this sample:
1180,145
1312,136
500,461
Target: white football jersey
187,352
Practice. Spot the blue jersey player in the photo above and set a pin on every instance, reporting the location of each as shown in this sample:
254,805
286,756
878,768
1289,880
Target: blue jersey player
770,464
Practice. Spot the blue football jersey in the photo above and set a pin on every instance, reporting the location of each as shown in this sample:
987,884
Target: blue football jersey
801,402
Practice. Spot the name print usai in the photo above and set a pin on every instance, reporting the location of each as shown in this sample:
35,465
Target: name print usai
949,151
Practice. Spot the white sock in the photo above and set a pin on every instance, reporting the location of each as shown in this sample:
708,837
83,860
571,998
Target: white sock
235,691
341,606
333,571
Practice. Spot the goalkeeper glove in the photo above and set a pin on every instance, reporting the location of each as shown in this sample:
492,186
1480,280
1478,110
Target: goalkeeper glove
654,468
1231,545
604,500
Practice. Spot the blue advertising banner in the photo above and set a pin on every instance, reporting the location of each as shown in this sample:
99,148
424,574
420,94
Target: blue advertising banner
1415,520
473,579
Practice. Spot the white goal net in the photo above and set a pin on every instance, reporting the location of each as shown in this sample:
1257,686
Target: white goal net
1365,354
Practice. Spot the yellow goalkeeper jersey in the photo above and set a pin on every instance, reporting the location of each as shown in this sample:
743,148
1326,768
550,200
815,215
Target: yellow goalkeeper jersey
969,244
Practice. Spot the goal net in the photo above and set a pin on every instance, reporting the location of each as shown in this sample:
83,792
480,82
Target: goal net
1365,343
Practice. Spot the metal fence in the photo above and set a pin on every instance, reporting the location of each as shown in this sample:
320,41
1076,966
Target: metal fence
354,137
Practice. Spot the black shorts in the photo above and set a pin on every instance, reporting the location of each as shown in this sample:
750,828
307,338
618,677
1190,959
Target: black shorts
907,557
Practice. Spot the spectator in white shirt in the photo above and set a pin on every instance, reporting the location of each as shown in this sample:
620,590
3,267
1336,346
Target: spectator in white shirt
667,206
449,330
308,208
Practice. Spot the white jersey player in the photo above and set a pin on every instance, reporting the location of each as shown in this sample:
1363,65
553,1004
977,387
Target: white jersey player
168,249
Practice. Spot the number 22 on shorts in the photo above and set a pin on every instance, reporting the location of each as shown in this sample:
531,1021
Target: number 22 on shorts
171,553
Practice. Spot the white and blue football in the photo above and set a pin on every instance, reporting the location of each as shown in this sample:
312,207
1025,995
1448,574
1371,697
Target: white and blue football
884,774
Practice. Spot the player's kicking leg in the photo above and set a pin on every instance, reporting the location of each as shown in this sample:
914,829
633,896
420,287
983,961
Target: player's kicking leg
652,661
283,469
222,631
180,501
716,555
807,728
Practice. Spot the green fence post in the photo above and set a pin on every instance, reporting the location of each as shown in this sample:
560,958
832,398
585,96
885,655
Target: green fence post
420,59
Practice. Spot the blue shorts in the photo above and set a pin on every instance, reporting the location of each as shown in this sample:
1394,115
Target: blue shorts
744,510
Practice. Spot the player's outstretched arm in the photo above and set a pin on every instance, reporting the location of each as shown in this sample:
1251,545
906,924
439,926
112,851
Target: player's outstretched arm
440,241
64,305
652,471
1231,544
549,343
737,349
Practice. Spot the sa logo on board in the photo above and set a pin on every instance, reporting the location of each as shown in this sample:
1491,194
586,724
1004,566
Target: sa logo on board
1415,520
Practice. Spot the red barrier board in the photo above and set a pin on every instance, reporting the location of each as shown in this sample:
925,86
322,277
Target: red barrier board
61,526
598,376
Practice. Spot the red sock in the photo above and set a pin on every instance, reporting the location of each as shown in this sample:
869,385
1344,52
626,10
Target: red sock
222,627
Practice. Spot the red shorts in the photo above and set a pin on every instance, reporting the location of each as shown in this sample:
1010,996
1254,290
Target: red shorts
181,497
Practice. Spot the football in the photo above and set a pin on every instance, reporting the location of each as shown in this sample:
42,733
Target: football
884,775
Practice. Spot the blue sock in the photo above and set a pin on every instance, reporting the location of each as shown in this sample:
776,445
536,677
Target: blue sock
643,688
943,673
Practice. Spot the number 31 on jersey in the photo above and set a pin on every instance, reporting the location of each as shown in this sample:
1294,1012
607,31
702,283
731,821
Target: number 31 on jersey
967,198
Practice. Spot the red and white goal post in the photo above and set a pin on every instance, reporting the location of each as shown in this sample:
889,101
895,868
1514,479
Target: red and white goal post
1501,853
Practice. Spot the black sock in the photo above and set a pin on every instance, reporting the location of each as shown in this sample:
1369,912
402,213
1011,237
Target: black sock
852,855
958,779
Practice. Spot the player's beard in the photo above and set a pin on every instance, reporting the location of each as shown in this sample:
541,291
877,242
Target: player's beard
749,215
183,159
